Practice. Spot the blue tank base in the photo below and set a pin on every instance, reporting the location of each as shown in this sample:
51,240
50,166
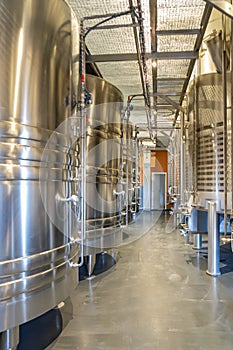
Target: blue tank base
104,262
40,332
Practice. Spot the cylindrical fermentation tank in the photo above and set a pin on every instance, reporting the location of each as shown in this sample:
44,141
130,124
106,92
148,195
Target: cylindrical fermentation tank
35,97
104,186
206,113
135,175
130,171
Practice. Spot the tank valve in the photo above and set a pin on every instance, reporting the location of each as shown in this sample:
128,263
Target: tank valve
88,97
73,199
119,193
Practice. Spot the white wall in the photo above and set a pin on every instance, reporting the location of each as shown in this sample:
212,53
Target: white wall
146,181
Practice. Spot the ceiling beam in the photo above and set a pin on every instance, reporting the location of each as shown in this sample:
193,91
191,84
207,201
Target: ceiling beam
93,65
203,26
158,107
169,79
173,103
115,26
166,93
223,6
172,55
178,32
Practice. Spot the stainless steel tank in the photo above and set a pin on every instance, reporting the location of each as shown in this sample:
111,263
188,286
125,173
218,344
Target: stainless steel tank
104,188
206,117
135,176
35,97
129,165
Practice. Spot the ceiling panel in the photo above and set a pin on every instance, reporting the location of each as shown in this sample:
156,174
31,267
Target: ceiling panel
179,14
176,43
168,76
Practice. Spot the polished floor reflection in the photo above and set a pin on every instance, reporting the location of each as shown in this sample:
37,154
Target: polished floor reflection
157,297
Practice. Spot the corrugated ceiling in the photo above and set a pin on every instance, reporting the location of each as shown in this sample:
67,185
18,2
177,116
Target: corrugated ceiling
182,16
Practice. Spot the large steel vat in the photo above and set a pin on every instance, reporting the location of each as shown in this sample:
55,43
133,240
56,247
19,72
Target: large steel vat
208,157
35,97
104,163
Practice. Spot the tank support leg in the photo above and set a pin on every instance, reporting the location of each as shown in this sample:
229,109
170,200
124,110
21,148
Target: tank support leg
197,241
91,260
213,242
9,339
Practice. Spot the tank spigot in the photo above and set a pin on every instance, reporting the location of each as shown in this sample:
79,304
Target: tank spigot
73,199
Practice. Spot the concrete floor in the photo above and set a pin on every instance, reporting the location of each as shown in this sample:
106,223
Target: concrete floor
157,297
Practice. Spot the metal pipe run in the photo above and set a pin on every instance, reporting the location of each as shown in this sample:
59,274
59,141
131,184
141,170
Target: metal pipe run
231,74
141,55
127,172
224,83
182,162
83,144
213,241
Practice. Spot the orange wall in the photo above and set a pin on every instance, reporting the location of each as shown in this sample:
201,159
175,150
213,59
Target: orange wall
159,161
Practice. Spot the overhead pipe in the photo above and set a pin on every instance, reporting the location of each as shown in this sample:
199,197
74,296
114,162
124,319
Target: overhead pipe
153,133
141,55
154,51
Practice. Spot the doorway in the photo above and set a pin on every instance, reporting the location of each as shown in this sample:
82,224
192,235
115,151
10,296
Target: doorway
159,190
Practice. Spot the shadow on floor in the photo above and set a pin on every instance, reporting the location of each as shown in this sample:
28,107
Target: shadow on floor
226,259
104,262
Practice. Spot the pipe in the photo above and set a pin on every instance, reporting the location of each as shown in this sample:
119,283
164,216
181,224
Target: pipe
182,165
83,140
231,73
107,17
195,143
127,171
154,50
141,54
137,44
136,176
224,83
213,241
83,145
121,170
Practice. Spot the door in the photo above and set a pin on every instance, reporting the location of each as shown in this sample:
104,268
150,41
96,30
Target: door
158,194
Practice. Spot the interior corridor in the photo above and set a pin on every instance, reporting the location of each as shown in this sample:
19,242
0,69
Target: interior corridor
157,297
